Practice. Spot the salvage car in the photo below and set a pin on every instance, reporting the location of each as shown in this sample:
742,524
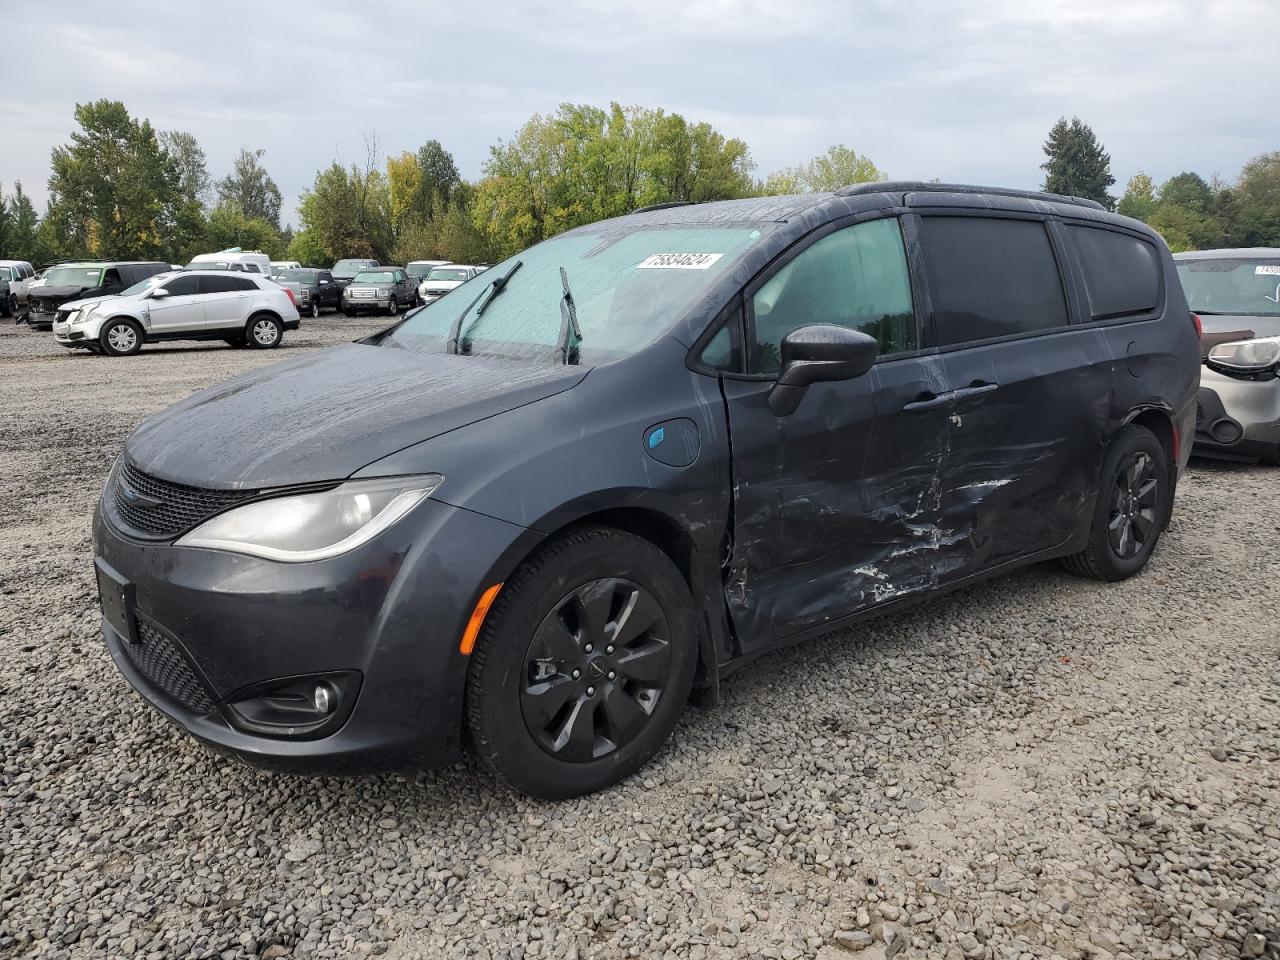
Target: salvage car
241,308
535,514
1236,294
380,290
443,279
314,289
84,280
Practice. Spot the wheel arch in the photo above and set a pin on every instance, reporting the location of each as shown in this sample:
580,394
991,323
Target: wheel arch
1159,420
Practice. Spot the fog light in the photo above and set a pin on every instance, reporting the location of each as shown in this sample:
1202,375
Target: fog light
296,707
1226,430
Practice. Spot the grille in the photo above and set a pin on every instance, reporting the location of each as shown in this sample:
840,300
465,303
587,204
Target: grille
163,509
363,294
159,660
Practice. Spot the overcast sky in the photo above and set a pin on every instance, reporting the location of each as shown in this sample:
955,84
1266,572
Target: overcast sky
965,90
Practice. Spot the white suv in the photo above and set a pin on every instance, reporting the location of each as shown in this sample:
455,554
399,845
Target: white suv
240,308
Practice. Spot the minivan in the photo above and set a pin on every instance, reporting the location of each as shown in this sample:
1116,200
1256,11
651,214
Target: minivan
534,515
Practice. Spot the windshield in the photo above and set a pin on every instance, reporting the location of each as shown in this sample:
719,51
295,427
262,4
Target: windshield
349,268
373,276
419,270
298,276
210,265
143,286
74,277
1235,285
448,273
630,285
5,274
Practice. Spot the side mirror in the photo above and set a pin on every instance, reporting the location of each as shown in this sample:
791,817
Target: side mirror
817,353
323,282
159,293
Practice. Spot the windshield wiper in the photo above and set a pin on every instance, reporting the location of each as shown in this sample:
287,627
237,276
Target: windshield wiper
489,291
568,324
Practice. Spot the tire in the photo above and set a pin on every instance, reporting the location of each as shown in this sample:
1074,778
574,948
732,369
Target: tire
635,694
236,342
348,313
1129,514
315,309
8,305
120,337
263,332
393,307
1272,457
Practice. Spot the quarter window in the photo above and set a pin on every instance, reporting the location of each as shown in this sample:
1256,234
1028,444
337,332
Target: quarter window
991,277
217,284
856,277
1121,275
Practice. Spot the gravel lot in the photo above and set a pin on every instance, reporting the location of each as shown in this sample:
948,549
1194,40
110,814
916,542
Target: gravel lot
1042,767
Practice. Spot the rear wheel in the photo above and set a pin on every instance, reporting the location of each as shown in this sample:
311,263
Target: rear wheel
120,337
1131,509
583,665
263,332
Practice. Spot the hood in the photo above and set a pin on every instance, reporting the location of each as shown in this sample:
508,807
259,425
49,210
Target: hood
326,415
84,302
51,297
441,284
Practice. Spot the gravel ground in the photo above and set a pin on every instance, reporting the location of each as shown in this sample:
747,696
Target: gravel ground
1040,767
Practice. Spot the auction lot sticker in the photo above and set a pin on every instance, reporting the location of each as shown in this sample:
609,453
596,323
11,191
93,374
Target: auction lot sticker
678,261
1267,269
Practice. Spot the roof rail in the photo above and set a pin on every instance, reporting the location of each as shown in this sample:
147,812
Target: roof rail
919,186
664,206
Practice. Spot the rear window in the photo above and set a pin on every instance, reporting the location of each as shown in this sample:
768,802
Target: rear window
1121,273
991,277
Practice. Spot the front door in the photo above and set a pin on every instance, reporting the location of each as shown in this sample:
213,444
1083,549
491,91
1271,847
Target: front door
836,507
182,310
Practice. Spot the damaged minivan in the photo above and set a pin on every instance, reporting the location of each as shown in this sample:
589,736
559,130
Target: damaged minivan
534,515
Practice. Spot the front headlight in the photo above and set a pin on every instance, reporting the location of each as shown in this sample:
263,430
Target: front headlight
73,316
1247,354
314,526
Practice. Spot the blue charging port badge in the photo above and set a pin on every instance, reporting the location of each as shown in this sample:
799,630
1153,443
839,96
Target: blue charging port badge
673,442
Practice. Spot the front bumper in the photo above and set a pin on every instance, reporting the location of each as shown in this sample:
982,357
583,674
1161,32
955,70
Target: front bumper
1237,419
41,321
356,304
391,612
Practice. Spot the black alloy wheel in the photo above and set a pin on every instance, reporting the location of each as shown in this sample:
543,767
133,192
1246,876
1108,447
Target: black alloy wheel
1133,517
595,670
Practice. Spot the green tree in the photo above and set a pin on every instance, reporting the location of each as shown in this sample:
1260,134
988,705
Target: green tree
1139,200
438,178
193,169
1189,191
114,191
19,226
838,167
347,212
307,250
249,187
1257,201
229,226
1077,165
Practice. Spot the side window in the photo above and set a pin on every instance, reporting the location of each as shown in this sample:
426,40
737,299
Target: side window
991,277
221,284
720,353
184,286
1121,273
243,283
856,277
111,278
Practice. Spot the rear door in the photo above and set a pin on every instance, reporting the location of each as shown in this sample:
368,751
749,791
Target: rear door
835,506
1031,390
226,301
182,310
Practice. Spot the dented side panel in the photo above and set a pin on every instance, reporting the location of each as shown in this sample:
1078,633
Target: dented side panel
836,506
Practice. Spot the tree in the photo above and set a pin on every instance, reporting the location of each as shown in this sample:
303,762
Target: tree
229,227
19,226
192,166
1139,200
347,211
114,191
1077,165
438,178
838,167
250,188
1189,191
1257,199
307,250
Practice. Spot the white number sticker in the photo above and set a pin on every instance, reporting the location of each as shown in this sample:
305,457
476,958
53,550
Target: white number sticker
678,261
1267,269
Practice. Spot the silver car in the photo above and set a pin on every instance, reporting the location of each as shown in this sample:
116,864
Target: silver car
1236,294
379,289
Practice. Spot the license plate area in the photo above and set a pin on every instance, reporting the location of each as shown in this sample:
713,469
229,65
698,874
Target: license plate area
116,596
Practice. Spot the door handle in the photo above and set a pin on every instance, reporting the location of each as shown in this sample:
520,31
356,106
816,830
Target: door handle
977,390
930,401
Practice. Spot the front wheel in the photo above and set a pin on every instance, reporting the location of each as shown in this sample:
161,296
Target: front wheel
264,332
8,305
315,309
120,338
1132,506
583,665
392,307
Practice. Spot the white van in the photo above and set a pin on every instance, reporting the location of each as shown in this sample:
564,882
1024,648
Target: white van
233,258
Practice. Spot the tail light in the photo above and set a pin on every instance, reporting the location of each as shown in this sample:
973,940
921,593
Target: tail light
294,300
1195,322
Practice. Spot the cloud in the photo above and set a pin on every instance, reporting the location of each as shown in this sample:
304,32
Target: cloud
964,91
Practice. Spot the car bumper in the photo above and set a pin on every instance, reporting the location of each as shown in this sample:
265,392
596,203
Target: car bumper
365,303
208,626
41,321
1237,419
